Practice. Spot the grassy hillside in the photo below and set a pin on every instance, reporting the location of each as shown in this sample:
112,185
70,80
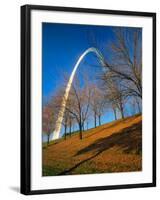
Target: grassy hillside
113,147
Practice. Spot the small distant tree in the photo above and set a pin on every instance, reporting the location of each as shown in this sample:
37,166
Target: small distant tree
98,104
79,98
65,123
71,122
48,123
56,103
135,105
101,109
116,94
94,106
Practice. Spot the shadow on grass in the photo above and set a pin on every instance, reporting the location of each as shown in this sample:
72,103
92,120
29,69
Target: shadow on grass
128,139
102,129
113,124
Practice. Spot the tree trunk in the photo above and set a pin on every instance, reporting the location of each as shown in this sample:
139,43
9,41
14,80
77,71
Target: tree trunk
83,126
70,129
122,112
65,132
99,118
139,109
48,136
95,120
115,115
80,131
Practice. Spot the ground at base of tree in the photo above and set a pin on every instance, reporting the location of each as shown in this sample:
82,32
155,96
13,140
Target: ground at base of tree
112,147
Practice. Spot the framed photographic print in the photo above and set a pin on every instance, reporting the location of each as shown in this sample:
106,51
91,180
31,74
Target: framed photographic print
88,99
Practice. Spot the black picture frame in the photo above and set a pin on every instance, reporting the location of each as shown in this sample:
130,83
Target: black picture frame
26,98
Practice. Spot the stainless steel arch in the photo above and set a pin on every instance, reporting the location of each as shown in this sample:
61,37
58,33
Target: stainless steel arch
56,132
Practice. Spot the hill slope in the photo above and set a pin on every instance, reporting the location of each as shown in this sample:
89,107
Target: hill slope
112,147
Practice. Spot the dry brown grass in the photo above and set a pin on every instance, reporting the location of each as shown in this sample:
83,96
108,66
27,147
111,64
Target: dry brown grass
113,147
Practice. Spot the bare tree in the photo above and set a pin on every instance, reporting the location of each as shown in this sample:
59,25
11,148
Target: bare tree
123,57
71,122
114,108
94,106
126,59
65,122
48,121
115,94
70,118
79,98
98,103
135,105
101,106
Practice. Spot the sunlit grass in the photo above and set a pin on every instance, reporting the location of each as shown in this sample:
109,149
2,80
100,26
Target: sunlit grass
113,147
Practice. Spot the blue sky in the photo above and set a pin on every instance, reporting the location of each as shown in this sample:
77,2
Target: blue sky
62,45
